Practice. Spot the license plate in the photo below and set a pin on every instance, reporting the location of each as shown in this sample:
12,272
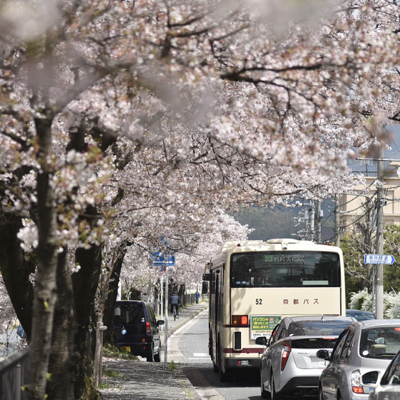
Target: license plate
244,362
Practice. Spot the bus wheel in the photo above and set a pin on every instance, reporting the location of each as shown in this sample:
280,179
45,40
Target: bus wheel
215,367
223,376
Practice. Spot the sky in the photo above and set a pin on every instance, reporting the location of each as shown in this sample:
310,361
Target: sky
363,166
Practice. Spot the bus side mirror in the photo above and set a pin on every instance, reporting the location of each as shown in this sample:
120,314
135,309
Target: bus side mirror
204,287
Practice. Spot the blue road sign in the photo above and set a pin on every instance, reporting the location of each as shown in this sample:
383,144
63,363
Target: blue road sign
378,259
160,259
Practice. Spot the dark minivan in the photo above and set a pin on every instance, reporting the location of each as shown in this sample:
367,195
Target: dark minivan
137,330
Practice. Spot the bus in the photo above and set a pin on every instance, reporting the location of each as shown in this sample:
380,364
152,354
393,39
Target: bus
254,284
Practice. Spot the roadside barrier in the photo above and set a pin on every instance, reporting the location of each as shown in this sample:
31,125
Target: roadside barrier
12,375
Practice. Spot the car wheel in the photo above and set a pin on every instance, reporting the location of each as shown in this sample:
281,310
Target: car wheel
320,394
264,393
150,357
274,394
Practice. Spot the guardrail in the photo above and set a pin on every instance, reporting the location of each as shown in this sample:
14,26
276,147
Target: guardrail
12,375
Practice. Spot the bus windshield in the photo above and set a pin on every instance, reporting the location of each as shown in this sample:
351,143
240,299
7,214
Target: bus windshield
285,269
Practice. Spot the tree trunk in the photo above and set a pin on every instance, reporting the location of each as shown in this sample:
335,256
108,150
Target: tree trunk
85,285
98,357
45,287
109,336
60,385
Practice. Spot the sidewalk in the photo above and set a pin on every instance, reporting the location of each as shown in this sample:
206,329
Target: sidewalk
141,380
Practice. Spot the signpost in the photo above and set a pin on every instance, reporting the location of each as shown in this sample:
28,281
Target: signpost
378,259
159,259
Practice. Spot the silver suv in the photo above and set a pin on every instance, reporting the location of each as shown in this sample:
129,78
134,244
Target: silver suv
360,357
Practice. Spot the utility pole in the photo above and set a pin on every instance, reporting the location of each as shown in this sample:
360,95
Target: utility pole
311,220
337,222
306,222
379,238
318,217
166,298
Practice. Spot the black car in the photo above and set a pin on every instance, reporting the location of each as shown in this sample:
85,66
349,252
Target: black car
137,329
360,315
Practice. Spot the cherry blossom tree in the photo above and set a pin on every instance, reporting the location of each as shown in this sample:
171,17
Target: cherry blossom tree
138,271
126,121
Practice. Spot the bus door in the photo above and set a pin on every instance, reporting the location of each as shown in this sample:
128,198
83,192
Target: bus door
216,311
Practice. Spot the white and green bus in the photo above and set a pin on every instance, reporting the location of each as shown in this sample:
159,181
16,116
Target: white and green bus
253,284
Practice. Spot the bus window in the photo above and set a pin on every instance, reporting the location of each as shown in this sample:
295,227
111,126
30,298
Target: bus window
285,269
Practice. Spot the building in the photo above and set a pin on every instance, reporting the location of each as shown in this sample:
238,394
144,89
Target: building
352,206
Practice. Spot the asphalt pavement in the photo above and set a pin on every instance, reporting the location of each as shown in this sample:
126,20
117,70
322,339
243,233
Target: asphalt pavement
142,380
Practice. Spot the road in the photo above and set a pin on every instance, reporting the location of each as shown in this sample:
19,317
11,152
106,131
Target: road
189,346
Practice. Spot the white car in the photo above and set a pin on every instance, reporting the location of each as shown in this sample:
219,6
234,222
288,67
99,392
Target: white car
389,387
360,357
289,364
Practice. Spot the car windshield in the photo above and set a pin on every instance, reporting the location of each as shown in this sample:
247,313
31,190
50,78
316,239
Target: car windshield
360,315
380,343
129,314
317,328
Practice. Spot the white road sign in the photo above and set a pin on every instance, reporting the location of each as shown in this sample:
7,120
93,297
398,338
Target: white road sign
378,259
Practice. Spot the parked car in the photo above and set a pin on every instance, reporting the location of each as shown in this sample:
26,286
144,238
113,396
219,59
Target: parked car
289,364
389,386
137,330
360,315
360,357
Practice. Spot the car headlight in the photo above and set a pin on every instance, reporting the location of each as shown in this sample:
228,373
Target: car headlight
355,380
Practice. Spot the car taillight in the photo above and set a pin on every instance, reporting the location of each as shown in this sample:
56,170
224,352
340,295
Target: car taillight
355,380
285,354
240,320
148,329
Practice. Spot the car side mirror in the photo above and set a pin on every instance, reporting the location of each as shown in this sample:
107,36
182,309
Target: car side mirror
262,341
160,322
324,354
